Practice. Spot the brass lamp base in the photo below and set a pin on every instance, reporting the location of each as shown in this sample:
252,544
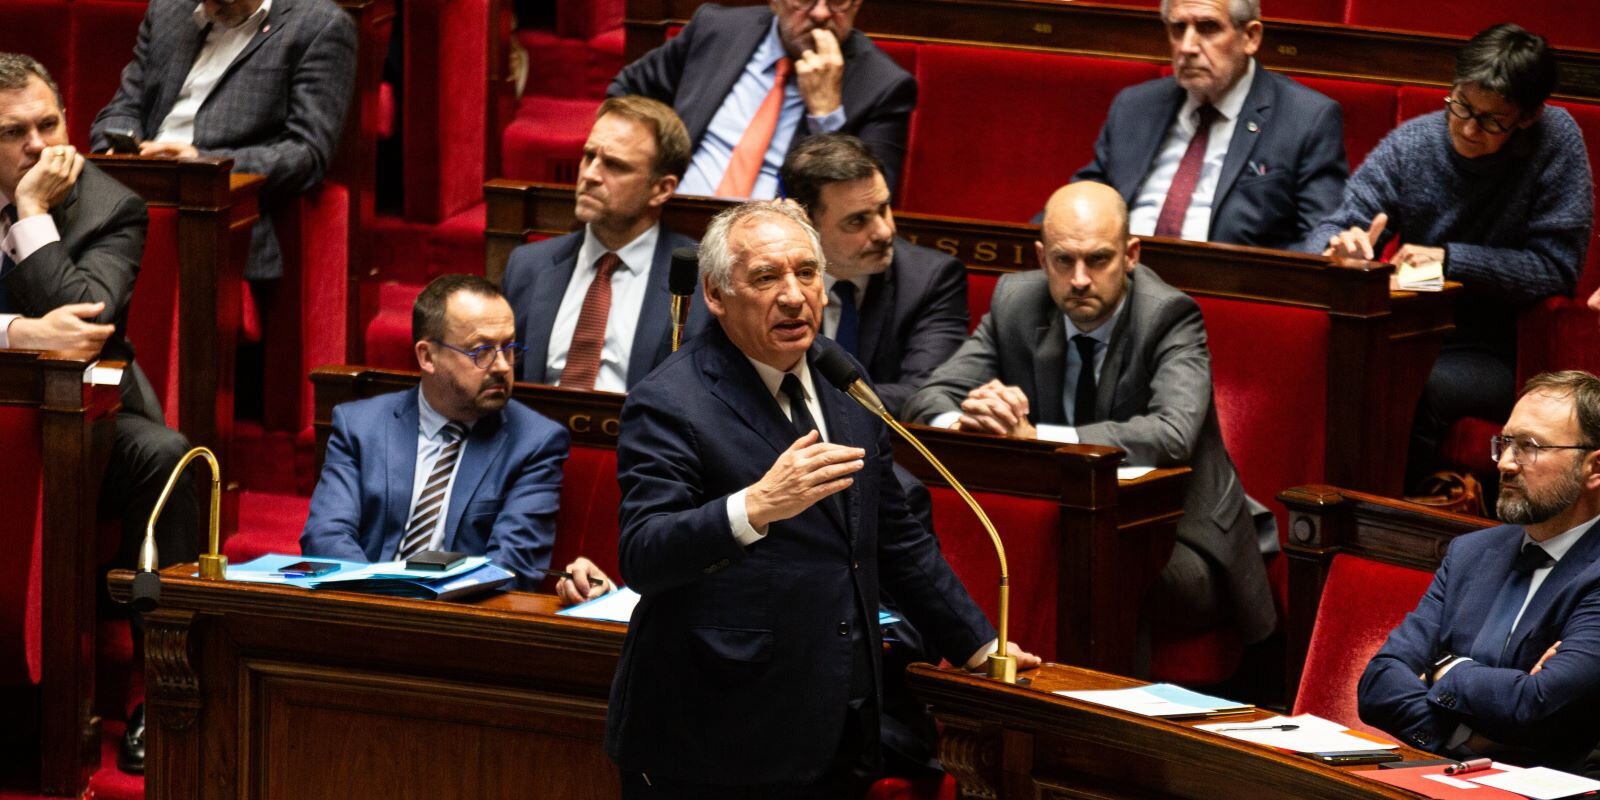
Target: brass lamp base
1003,668
215,568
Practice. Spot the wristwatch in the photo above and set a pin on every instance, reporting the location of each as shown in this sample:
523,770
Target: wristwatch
1440,663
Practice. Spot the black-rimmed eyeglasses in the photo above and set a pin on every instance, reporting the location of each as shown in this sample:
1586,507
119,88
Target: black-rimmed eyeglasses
1524,450
483,355
1462,110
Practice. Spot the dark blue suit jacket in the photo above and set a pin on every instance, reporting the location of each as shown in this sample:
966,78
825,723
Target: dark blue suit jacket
502,503
914,318
694,71
1550,719
737,664
536,278
1298,138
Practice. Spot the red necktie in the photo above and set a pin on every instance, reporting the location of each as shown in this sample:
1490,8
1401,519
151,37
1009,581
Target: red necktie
589,338
744,166
1176,206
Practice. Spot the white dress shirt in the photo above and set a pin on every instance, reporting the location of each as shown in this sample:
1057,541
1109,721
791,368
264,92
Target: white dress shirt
1066,434
1152,193
222,46
430,444
727,127
18,242
630,283
738,517
830,314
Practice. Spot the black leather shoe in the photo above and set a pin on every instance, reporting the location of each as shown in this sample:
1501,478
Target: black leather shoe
130,755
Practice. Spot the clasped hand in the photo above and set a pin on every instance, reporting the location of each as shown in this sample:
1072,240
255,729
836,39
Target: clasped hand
996,408
807,472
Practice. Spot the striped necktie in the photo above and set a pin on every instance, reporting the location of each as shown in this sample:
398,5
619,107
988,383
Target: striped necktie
430,504
1176,207
589,336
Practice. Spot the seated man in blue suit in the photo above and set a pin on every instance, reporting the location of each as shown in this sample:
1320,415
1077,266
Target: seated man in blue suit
1223,151
1502,656
454,464
759,518
900,309
587,334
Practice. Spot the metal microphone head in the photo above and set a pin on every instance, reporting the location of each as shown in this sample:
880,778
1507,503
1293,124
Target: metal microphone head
840,371
685,270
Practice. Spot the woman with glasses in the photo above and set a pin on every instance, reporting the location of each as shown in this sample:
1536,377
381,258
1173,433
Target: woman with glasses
1496,187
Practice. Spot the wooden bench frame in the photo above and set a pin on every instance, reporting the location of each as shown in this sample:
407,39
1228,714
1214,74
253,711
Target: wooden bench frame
1381,343
78,427
1325,521
1114,537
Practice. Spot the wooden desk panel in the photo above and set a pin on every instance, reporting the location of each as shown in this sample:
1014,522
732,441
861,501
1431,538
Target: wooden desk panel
78,428
259,691
1006,742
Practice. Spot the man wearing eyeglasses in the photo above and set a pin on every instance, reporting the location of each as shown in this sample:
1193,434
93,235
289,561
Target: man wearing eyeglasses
1495,189
1502,656
751,82
453,464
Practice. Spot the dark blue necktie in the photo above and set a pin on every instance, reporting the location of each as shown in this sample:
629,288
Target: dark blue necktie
849,333
1083,402
6,264
1490,646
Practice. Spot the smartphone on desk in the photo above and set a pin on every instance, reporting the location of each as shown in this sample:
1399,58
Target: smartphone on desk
308,569
1345,758
123,142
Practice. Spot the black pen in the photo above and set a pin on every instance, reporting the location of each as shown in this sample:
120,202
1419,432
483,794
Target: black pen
556,573
1262,728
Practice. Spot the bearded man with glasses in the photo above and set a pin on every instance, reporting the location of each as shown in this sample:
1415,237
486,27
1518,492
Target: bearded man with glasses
1495,187
454,464
1501,658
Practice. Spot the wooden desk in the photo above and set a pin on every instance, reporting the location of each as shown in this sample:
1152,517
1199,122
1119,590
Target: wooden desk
258,691
76,424
1004,741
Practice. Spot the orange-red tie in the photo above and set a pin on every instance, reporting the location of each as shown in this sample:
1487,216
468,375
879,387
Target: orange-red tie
589,337
745,164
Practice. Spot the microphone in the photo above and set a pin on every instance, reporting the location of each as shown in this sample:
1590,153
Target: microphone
146,592
839,370
680,282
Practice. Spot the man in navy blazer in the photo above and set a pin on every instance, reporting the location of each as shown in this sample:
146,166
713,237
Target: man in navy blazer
750,668
1273,160
907,306
500,500
1501,658
842,83
632,161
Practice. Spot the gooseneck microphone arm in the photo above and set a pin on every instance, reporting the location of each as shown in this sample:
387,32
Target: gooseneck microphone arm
681,281
213,565
836,367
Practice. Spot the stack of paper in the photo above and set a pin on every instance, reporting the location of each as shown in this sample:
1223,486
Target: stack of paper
473,576
1161,700
1498,782
1427,277
1307,733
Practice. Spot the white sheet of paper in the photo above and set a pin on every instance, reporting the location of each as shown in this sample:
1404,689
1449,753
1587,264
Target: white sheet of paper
1427,277
1314,735
1539,783
1449,781
1136,700
1133,473
614,606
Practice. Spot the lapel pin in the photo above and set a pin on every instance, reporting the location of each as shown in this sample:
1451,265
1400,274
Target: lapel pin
1252,127
266,28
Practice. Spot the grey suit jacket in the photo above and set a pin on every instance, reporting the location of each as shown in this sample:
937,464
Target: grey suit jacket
277,111
914,317
102,226
1154,395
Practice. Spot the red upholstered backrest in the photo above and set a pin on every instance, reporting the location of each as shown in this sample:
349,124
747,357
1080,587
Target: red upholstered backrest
587,524
21,485
1314,10
39,28
1414,101
307,326
1566,23
1269,373
1362,601
1587,115
1369,112
153,313
584,19
105,32
445,97
980,290
997,130
903,53
1029,528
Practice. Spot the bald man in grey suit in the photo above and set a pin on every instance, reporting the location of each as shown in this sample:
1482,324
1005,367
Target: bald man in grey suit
1149,393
